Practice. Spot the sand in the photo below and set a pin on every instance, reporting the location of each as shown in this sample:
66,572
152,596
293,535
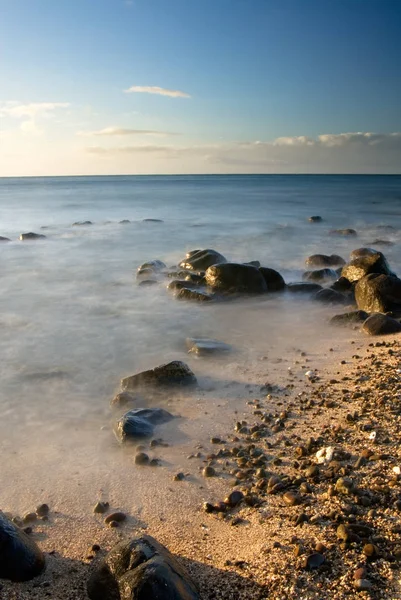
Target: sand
250,551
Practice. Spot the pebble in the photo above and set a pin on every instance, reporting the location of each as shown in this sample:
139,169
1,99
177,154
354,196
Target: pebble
101,507
117,517
208,472
291,499
141,458
234,498
179,477
313,561
42,510
30,518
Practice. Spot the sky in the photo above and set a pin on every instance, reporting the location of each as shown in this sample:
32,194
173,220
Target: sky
199,86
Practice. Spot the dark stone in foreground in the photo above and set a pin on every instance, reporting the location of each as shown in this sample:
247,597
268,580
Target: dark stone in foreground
170,374
200,260
304,288
378,293
371,261
323,260
31,236
206,347
355,316
273,279
379,324
20,557
141,569
236,278
140,422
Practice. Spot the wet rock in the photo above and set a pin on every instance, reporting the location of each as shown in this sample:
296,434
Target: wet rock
140,422
328,296
175,373
355,316
31,236
371,261
4,239
194,295
319,275
304,288
378,293
81,223
313,561
206,346
315,219
20,558
383,243
235,278
154,265
273,279
141,569
323,260
342,285
345,232
200,260
179,284
379,324
118,517
30,518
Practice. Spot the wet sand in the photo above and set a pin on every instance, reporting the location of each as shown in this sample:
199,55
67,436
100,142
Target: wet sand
251,551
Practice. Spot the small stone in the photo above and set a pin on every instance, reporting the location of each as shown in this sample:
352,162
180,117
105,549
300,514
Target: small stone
95,548
101,507
370,550
360,573
141,458
42,510
207,507
114,524
313,561
362,584
179,477
155,462
208,472
118,517
234,498
28,530
291,499
30,518
344,486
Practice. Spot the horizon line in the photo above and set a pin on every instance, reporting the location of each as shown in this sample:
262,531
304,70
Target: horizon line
339,174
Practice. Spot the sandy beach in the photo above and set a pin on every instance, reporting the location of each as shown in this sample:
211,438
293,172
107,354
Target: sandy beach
263,547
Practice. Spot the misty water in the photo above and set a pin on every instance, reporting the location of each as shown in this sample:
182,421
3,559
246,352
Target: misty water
74,320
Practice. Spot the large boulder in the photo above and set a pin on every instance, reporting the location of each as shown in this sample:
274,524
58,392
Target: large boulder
141,569
370,261
200,260
323,260
20,557
171,374
235,278
378,293
379,324
31,236
273,279
140,422
320,275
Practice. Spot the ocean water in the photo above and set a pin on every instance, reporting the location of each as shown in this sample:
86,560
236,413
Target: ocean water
74,321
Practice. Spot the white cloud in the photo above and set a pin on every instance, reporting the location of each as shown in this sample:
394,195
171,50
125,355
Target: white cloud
120,131
31,110
144,89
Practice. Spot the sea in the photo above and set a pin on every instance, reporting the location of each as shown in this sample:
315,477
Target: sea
74,320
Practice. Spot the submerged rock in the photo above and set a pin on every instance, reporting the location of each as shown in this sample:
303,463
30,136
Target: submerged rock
171,374
273,279
315,219
140,422
31,236
371,261
236,278
80,223
206,346
153,265
186,293
304,288
379,324
319,275
200,260
152,221
20,557
355,316
4,239
329,296
141,569
378,293
346,231
123,399
323,260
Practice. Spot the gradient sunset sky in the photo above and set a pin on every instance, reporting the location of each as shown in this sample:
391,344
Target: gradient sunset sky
200,86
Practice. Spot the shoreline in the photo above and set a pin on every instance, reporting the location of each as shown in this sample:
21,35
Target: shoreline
250,551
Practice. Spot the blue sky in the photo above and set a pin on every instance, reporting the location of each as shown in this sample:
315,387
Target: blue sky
255,71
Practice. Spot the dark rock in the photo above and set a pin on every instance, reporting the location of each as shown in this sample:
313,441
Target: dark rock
125,222
329,296
273,279
152,221
42,510
170,374
153,265
179,284
80,223
304,288
141,458
206,347
140,422
208,472
194,295
101,507
291,499
141,569
147,282
342,285
200,260
379,324
253,263
313,561
346,231
323,260
20,557
315,219
4,239
118,517
383,243
235,278
123,399
319,275
355,316
234,498
378,293
370,262
196,278
31,236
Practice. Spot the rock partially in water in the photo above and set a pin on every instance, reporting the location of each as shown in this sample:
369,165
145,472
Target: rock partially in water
140,422
206,346
342,285
346,232
355,316
179,284
194,295
304,288
235,278
371,261
4,239
31,236
323,260
153,265
315,219
200,260
383,243
273,279
171,374
329,296
320,275
20,557
81,223
378,293
124,399
152,221
141,569
379,324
